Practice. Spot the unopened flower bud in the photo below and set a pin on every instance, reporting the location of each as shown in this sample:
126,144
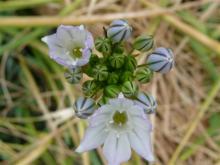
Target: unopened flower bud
73,76
103,100
84,107
130,62
147,102
129,89
117,60
144,75
126,76
103,45
113,78
144,43
161,60
89,87
100,72
112,91
119,30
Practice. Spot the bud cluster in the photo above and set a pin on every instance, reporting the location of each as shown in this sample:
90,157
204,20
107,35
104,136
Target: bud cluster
114,69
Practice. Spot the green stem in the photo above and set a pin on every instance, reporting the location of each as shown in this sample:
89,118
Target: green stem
142,65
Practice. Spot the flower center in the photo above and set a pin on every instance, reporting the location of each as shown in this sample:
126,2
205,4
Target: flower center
120,118
77,52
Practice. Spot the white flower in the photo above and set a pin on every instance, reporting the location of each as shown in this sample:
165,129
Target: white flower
120,125
70,46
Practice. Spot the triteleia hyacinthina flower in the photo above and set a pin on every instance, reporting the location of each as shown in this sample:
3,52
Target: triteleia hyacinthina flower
70,46
120,125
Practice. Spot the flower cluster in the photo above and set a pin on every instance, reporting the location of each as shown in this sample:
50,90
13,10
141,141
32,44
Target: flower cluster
115,107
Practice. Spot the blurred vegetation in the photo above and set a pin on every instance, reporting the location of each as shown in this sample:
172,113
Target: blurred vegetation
35,99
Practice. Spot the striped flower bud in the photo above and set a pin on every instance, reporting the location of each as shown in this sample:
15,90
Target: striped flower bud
103,45
130,62
89,88
129,89
144,75
161,60
84,107
144,43
119,30
112,78
126,76
147,102
112,91
100,72
74,75
117,60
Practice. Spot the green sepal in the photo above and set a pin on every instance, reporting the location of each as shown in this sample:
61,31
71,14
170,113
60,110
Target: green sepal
103,45
144,75
118,48
94,60
126,76
129,89
112,78
90,88
112,91
144,43
130,63
104,100
100,72
116,60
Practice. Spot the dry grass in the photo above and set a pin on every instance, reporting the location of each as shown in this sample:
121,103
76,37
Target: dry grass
35,127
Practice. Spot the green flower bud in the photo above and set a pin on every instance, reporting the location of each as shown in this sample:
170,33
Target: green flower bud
94,59
89,88
112,78
111,91
100,72
126,76
103,100
130,63
129,89
84,107
103,45
118,48
144,75
116,60
73,76
144,43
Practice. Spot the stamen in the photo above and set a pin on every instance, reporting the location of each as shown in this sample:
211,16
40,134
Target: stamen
120,118
77,52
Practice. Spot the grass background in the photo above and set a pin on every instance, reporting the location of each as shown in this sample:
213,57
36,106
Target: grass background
36,126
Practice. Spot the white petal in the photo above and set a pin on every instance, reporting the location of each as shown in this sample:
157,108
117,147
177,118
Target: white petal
99,119
57,51
140,142
117,149
64,35
78,36
137,111
81,27
94,137
121,104
142,123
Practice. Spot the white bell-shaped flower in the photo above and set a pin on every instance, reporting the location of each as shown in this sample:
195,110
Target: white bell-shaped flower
120,125
70,46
